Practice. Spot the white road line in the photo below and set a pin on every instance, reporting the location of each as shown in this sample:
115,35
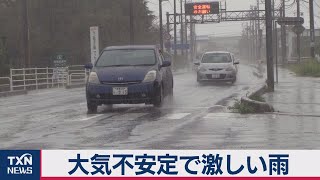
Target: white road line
177,116
128,116
92,117
17,106
223,115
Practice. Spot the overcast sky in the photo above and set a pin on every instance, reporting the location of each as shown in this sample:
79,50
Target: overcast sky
233,28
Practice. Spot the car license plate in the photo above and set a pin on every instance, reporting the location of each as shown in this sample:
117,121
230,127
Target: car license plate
120,91
215,76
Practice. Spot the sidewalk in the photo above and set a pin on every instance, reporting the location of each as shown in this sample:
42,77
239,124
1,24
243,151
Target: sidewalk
297,96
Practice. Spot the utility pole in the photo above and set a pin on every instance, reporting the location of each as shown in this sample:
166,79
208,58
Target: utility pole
248,45
26,31
168,31
161,26
251,36
298,35
255,35
181,27
283,35
131,23
312,35
259,41
269,51
192,43
175,28
186,28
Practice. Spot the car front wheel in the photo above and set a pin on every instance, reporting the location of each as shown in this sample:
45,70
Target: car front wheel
92,107
234,80
159,98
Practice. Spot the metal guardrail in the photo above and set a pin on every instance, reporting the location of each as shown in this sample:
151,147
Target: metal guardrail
4,86
41,78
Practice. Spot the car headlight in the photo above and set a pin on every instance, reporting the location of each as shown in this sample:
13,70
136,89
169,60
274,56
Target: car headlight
93,78
229,69
202,69
150,76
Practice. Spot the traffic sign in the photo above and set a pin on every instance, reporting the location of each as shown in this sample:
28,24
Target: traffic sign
202,8
181,46
290,21
298,29
59,60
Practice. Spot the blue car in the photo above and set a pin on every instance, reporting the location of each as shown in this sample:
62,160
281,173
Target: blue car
129,75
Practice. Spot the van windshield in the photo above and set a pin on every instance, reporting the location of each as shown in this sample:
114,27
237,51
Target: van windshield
216,58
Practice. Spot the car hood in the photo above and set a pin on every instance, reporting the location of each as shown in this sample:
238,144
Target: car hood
216,65
122,74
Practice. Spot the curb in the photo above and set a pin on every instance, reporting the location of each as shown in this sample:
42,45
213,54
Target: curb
260,107
75,86
13,93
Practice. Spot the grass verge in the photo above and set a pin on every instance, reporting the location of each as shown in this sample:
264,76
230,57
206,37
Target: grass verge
309,68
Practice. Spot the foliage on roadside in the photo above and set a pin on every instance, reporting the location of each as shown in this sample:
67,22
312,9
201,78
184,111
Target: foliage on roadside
308,68
245,108
62,26
258,98
242,108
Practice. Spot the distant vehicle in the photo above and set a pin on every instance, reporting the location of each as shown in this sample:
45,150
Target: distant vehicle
217,66
129,75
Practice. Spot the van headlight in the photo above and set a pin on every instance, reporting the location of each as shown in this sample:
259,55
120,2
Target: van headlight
93,78
229,69
202,69
150,76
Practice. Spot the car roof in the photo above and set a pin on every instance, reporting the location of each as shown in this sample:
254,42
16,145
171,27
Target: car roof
131,47
218,52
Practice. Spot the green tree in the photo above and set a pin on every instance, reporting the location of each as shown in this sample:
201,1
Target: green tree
62,26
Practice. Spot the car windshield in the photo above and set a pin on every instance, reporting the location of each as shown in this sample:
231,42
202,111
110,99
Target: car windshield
216,58
127,57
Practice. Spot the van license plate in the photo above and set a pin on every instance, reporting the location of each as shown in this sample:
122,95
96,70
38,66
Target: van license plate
215,76
120,91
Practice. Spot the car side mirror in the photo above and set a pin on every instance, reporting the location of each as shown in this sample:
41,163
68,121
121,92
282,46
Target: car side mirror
88,66
166,64
197,63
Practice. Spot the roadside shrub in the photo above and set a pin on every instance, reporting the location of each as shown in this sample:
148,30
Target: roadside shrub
258,98
245,108
308,68
242,108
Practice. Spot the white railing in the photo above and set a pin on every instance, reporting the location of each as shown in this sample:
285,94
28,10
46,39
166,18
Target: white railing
4,86
318,57
35,78
77,75
41,78
77,78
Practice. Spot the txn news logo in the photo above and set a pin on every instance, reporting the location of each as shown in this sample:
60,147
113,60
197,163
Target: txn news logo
18,165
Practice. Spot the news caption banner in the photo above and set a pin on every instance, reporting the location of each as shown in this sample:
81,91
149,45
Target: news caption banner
83,164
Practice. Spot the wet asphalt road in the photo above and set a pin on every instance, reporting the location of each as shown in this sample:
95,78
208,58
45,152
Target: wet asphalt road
197,119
